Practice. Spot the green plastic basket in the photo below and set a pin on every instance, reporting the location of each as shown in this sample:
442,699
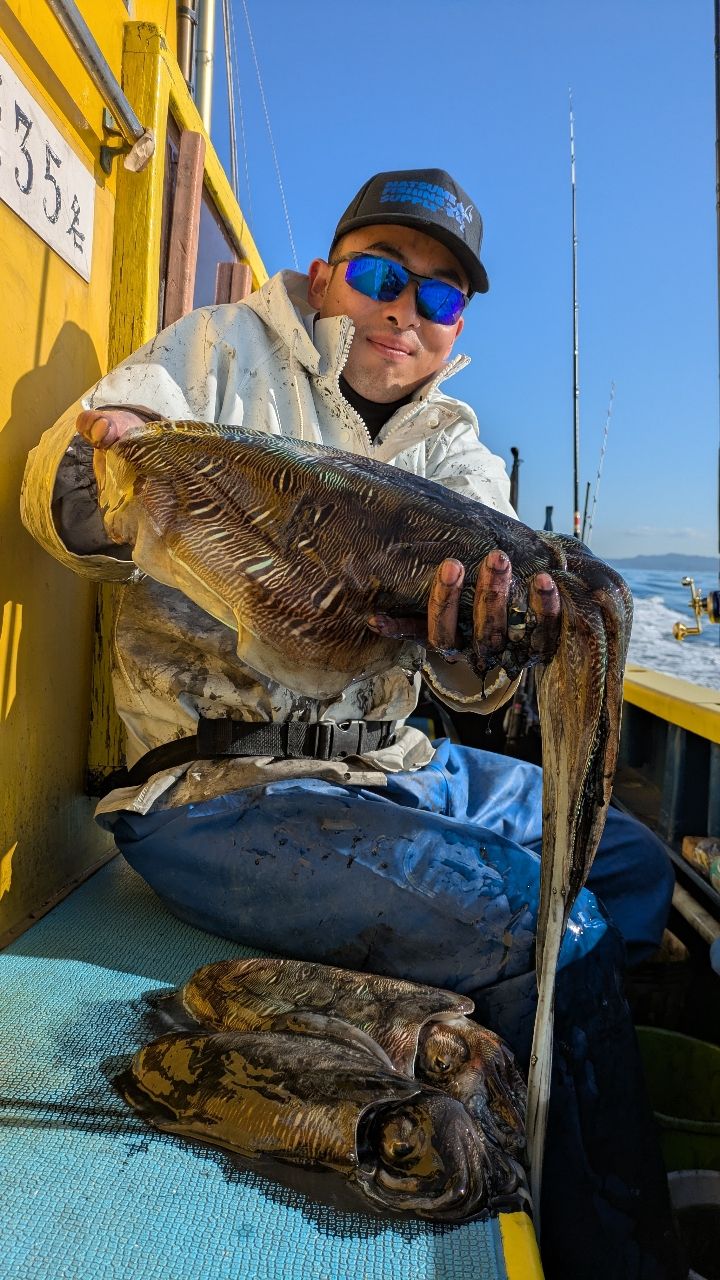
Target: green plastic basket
683,1081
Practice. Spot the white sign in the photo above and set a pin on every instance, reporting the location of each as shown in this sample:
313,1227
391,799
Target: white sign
41,177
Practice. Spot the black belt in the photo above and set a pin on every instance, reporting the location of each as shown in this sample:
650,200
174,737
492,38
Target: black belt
293,740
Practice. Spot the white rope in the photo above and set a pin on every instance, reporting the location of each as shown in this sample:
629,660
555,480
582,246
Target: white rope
230,96
238,88
270,135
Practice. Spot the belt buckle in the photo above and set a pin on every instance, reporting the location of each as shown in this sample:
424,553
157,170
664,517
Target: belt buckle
346,738
335,740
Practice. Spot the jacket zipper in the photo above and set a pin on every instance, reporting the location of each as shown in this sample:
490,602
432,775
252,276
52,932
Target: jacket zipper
347,334
415,407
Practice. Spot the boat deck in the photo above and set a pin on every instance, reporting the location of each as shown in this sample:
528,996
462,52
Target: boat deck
88,1191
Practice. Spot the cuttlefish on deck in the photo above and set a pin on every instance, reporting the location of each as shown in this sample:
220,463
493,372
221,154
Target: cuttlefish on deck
329,1103
424,1030
295,546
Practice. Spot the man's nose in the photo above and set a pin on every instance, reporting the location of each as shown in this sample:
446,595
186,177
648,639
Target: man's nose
403,311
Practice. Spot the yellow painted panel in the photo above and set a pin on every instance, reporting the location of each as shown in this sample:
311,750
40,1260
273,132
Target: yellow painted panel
162,82
691,706
53,348
163,13
522,1259
64,335
155,86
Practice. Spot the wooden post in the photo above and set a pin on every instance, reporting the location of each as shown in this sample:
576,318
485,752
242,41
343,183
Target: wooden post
185,227
233,281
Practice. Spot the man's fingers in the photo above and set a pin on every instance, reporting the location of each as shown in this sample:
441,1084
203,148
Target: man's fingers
490,609
439,631
499,636
94,427
544,600
104,427
444,605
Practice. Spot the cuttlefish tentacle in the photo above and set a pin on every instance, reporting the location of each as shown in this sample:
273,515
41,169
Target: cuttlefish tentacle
580,701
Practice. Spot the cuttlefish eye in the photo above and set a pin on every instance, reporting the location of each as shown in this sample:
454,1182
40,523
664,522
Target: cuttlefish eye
404,1137
442,1051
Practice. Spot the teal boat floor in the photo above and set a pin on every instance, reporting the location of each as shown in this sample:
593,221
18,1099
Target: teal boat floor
89,1192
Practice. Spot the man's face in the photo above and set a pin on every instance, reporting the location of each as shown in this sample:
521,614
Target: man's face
394,349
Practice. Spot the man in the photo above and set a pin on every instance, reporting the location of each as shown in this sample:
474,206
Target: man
381,852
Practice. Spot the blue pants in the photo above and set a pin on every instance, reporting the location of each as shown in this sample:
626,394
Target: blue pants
435,877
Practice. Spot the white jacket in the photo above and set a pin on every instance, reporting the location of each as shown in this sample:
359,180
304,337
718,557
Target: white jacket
267,363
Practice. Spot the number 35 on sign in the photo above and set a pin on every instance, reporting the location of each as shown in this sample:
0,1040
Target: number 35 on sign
41,177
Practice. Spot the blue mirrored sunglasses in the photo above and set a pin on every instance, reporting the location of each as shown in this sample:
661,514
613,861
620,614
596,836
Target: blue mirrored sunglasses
384,281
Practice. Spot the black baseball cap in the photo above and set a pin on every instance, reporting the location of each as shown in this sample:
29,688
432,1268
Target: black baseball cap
431,201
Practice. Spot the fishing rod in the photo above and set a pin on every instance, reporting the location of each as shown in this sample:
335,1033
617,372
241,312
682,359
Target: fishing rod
600,465
585,510
576,363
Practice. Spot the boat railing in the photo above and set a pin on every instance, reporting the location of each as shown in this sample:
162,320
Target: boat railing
669,777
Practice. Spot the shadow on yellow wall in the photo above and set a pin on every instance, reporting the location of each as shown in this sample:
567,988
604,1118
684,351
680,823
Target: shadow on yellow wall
46,621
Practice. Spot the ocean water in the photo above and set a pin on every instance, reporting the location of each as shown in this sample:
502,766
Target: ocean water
660,601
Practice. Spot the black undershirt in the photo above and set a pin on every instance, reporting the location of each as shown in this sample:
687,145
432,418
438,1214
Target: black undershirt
374,415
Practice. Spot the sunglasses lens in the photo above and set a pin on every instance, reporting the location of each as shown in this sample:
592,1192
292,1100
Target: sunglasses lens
442,303
383,280
376,277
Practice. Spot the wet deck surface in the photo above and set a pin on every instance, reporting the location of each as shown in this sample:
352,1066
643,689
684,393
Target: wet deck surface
88,1191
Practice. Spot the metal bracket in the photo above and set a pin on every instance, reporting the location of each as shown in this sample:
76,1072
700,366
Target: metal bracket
108,153
137,154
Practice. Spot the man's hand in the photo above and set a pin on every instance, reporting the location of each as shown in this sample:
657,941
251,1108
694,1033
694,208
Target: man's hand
103,427
502,635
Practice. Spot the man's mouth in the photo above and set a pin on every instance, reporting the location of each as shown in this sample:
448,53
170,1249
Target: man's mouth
391,349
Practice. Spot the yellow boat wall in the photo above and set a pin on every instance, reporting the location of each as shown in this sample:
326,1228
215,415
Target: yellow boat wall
59,334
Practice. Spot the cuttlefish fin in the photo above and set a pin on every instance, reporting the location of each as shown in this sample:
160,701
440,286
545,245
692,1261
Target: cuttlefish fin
308,1022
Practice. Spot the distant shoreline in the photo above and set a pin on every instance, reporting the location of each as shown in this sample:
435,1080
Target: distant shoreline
673,561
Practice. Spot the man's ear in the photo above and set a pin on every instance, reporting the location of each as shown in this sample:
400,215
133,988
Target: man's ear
319,273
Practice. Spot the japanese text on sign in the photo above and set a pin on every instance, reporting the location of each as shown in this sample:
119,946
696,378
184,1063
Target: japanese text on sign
41,177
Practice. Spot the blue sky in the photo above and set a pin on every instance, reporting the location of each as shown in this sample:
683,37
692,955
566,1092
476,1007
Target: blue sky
480,88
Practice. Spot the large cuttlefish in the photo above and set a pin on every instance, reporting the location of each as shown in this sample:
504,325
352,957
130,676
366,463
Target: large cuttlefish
424,1030
296,545
325,1102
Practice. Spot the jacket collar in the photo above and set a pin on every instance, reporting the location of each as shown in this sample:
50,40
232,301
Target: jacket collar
282,305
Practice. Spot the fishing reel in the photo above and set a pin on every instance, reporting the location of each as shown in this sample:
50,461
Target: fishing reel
709,605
